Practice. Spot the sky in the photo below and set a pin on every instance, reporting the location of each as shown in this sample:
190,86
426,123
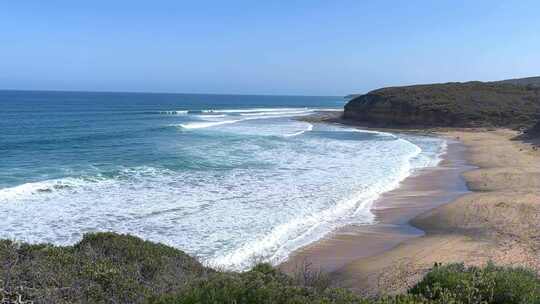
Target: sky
263,47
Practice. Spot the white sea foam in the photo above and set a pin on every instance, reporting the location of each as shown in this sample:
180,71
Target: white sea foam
252,197
371,132
286,238
41,187
211,116
282,115
442,151
434,149
276,113
179,112
307,129
252,110
202,125
208,124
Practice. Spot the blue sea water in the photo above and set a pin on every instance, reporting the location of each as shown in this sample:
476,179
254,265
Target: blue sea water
227,178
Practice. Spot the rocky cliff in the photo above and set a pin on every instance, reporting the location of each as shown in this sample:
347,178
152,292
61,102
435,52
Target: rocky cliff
467,104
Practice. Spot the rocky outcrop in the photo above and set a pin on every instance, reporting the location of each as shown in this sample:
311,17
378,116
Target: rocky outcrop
469,104
534,132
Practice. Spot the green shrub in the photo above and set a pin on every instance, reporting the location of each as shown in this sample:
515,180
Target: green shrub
102,268
471,285
113,268
262,285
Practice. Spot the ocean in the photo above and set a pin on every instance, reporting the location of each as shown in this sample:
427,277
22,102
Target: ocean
231,179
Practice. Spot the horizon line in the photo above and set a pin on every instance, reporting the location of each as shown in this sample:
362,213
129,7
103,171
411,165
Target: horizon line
166,93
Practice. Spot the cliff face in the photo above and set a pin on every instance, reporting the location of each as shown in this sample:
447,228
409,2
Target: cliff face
450,104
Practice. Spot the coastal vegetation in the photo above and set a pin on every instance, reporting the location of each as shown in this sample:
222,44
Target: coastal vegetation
511,103
101,268
114,268
528,81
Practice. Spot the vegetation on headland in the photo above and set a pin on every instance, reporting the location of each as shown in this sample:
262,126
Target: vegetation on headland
528,81
113,268
512,103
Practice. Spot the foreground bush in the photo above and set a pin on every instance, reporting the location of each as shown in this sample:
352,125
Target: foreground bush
263,284
102,268
113,268
266,285
451,284
491,284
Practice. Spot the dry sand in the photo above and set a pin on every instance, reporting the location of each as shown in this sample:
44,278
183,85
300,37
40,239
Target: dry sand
498,221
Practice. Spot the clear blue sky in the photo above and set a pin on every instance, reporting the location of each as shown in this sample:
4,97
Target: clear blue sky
267,47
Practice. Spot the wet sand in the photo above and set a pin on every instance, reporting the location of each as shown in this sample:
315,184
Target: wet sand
424,190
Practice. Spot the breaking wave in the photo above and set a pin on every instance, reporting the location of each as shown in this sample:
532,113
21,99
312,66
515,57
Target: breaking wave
223,196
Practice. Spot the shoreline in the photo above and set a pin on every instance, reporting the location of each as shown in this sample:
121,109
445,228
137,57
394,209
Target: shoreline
499,220
423,190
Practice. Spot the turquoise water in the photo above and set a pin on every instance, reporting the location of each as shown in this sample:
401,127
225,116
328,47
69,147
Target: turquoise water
227,178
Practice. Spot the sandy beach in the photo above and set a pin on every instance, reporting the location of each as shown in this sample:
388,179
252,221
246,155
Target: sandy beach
482,203
423,190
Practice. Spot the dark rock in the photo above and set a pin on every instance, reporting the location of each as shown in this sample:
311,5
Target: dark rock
534,132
